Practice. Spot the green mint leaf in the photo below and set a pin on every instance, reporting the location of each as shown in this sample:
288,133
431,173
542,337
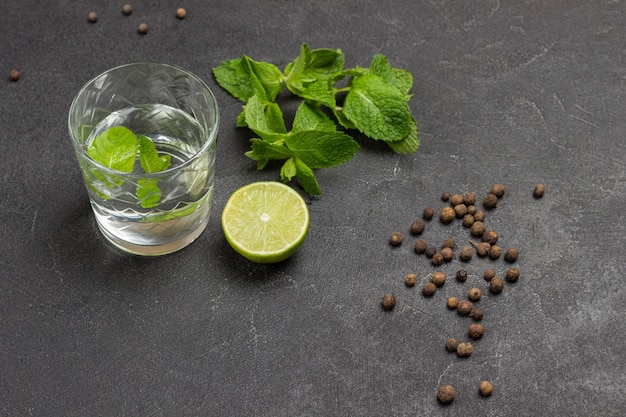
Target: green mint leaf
403,81
399,78
306,178
288,170
148,192
149,158
377,108
116,148
262,152
244,77
310,117
410,143
319,149
265,119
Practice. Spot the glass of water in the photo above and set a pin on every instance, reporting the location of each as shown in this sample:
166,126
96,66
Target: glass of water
145,137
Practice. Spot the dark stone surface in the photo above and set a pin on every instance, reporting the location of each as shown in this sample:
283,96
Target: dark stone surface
514,92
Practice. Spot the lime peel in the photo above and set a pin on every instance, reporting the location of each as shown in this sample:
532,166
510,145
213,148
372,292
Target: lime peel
265,221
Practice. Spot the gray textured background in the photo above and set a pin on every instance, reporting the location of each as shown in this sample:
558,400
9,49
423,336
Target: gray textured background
517,92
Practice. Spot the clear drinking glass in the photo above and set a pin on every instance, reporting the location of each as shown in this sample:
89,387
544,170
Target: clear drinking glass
148,212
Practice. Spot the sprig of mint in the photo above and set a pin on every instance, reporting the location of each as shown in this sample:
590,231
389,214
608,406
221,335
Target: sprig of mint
372,100
117,148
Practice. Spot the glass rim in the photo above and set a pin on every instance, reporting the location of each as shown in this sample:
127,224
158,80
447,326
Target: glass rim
208,143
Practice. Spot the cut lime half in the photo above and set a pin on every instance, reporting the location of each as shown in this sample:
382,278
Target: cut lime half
265,221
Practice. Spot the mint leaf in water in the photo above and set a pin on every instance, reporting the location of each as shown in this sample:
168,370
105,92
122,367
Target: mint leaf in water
148,192
149,157
116,148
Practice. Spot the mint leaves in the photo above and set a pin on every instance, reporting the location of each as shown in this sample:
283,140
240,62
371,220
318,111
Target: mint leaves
117,148
371,100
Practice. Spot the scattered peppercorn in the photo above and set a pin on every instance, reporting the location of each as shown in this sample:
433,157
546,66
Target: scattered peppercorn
482,249
410,280
417,227
539,190
512,275
466,253
430,252
474,294
446,394
496,285
389,301
479,216
445,196
478,228
461,275
428,213
476,331
511,255
429,289
437,259
14,75
460,210
396,239
497,190
477,313
438,278
471,209
485,388
489,274
464,349
490,201
495,252
468,220
448,254
453,302
92,17
142,28
456,199
421,246
447,214
464,307
127,9
449,242
181,13
469,199
490,236
452,344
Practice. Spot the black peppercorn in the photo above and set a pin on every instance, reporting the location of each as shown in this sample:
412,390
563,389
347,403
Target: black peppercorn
92,17
461,275
430,252
466,253
437,259
464,349
396,239
438,278
490,201
428,213
446,394
511,255
485,388
410,280
445,196
465,307
539,190
476,331
477,313
142,29
447,214
512,275
389,301
417,227
474,294
452,344
496,285
127,9
14,75
495,252
429,289
421,246
489,274
497,190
